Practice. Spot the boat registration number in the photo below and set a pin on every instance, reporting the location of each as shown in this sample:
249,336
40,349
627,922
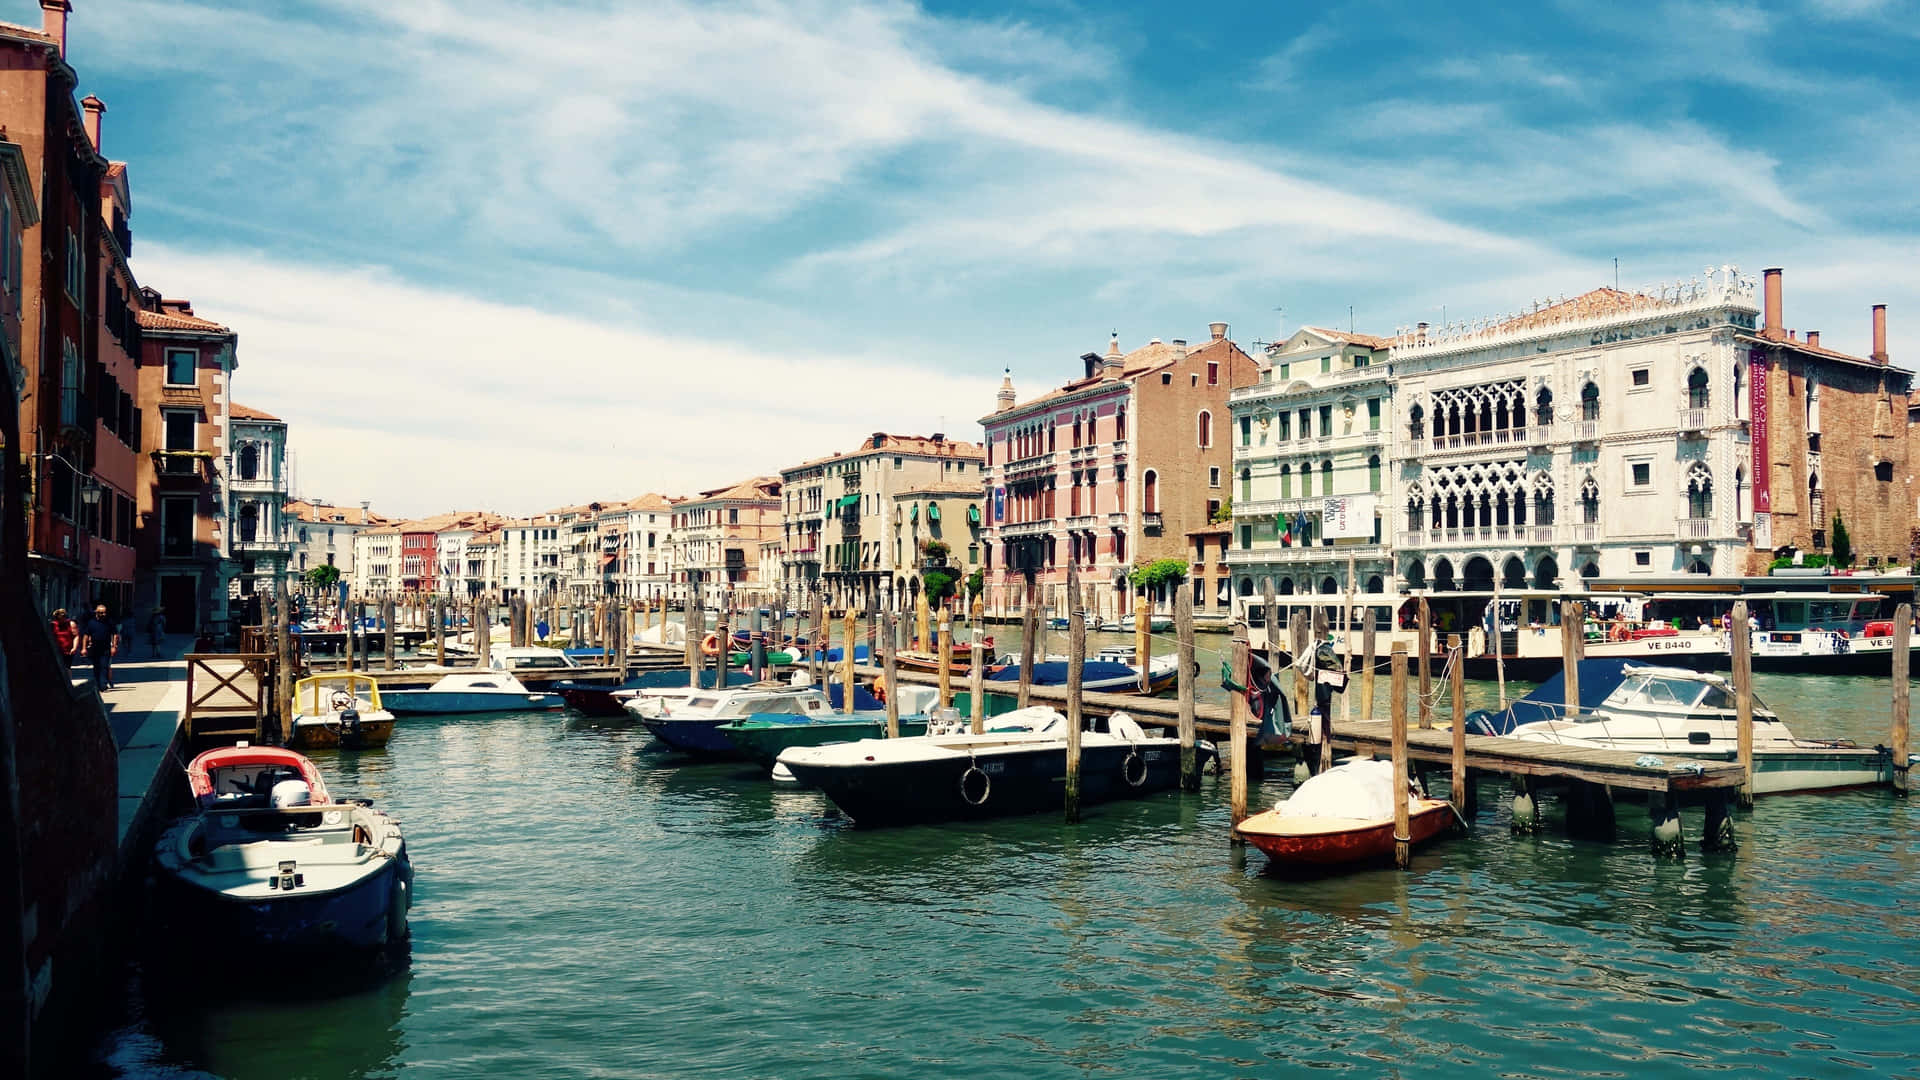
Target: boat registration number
994,768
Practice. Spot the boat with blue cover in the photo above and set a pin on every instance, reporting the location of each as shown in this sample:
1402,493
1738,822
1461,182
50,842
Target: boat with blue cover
688,720
763,736
1095,675
268,859
611,700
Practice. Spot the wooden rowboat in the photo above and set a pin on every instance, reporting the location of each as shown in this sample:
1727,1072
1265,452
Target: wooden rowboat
1331,841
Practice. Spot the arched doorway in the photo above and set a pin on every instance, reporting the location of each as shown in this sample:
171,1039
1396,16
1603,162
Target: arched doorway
1513,573
1375,586
1545,572
1246,586
1477,575
1443,575
1286,586
1328,586
1416,575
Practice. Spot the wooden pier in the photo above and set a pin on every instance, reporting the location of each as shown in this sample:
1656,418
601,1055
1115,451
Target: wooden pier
1545,761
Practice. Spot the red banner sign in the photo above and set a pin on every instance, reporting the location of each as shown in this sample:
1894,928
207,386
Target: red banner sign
1757,427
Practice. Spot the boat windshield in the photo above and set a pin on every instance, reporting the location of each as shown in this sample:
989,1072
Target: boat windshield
700,702
1658,691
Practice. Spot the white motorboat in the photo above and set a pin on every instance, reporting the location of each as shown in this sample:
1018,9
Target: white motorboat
689,720
527,658
1682,713
472,692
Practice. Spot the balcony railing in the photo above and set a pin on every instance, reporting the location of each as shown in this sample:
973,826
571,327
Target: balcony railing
1082,521
1692,528
1039,463
178,466
1693,419
1585,532
1151,520
1586,431
1013,529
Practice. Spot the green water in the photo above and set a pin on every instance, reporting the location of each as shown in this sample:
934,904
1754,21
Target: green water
591,907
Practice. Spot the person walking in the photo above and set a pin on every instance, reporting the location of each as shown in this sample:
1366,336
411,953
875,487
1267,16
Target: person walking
157,629
100,641
66,636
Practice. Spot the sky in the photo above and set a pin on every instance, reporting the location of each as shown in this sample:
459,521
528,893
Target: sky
520,255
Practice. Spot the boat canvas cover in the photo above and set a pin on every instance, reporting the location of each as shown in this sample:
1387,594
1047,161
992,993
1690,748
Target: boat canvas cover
1361,790
1054,673
1548,701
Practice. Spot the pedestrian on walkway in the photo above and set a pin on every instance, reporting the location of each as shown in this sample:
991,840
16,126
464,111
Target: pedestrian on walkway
157,629
101,642
66,636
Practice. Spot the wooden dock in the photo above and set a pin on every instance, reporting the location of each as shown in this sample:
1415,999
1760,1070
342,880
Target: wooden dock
1544,761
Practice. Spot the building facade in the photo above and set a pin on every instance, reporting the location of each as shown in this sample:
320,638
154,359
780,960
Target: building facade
642,549
260,534
717,534
841,516
376,560
323,535
1311,479
1109,471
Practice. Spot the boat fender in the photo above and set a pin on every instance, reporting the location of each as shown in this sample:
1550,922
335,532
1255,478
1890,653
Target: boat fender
399,899
1134,763
970,780
710,644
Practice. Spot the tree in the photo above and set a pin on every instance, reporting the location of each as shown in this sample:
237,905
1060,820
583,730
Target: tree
1842,543
1151,577
976,584
938,585
324,578
1225,513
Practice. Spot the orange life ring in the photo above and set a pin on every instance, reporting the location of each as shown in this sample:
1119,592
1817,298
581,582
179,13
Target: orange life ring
710,645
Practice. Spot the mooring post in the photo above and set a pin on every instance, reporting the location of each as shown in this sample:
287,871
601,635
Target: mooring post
848,633
1402,833
817,641
1237,712
1346,645
977,673
1368,655
1183,657
1902,746
386,622
1426,665
890,665
1457,679
1313,677
723,640
1572,627
758,657
1297,649
283,665
1499,644
1742,646
1029,639
944,650
1076,664
920,621
440,631
690,643
1143,641
1669,839
482,633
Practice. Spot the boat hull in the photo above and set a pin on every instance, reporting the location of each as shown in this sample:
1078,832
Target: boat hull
763,743
698,736
1015,782
372,734
358,917
1284,843
444,702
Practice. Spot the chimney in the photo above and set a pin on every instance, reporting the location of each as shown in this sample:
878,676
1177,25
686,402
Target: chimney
53,22
1771,326
1879,354
94,108
1111,363
1218,330
1420,334
1813,338
1004,400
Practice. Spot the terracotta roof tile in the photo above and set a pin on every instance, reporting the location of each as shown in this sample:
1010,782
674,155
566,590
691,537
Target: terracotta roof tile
177,320
324,513
1367,341
243,412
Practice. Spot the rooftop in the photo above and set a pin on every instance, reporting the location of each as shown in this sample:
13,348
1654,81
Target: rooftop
325,513
177,315
244,412
1145,360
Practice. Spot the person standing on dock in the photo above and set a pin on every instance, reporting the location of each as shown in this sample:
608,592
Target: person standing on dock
156,629
100,641
66,636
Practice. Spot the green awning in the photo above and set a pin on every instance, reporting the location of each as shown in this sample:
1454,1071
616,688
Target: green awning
913,513
933,512
849,500
973,515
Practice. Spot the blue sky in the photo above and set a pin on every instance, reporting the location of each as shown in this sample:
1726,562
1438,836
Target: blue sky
515,255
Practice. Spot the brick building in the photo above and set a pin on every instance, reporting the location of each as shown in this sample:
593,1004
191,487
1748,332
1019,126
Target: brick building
717,535
1109,471
1835,442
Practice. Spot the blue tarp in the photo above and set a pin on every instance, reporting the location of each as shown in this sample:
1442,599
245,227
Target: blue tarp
1054,672
859,653
1598,678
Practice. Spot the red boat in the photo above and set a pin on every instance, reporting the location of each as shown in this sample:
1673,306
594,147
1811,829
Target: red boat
1328,841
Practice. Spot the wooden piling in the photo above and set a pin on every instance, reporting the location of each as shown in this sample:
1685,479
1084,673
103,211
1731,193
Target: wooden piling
1572,625
1397,705
284,661
848,631
1346,644
1457,680
1297,648
1183,635
482,632
890,665
757,657
920,620
1143,641
1238,714
977,670
1029,639
390,631
1368,655
1902,661
1426,665
1499,645
1742,648
440,632
1076,664
944,651
817,641
1270,618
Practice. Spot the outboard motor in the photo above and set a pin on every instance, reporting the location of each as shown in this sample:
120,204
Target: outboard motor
288,794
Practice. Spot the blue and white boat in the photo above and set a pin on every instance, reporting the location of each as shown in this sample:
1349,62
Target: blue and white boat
269,860
471,692
689,720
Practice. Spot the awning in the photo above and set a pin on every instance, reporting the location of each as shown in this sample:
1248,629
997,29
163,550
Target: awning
933,512
913,513
848,500
973,515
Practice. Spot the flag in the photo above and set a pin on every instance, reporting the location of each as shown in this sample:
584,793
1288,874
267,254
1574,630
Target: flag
1286,532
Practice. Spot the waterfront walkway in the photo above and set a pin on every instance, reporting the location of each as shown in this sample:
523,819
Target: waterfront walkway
144,712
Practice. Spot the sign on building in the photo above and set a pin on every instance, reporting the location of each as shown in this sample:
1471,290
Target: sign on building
1347,517
1757,427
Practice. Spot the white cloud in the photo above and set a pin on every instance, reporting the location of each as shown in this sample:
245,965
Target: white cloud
421,399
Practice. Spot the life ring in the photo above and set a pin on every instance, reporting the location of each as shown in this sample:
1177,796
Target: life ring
1126,769
985,785
710,645
878,688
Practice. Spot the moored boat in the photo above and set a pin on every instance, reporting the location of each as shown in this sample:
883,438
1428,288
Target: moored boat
595,700
762,737
472,692
268,859
1018,767
688,720
1096,675
341,710
1342,816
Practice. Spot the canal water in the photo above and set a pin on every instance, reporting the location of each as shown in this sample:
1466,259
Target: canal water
589,906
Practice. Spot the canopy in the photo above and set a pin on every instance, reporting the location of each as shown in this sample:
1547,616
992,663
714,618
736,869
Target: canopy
913,513
1548,701
933,511
973,515
1054,672
848,500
